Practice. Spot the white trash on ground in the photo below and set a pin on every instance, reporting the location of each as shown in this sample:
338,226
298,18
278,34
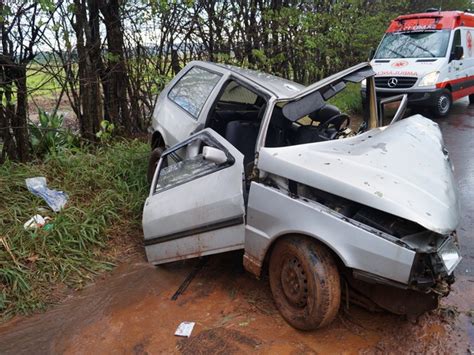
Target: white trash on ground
55,199
184,329
35,222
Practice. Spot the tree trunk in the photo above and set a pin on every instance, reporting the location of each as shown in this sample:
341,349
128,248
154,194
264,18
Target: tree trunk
88,50
20,128
116,78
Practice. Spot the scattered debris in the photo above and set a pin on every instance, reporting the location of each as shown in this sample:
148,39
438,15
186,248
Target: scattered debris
55,199
184,329
37,221
188,279
448,312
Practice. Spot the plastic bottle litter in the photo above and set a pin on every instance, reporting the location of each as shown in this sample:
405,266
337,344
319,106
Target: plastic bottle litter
55,199
35,222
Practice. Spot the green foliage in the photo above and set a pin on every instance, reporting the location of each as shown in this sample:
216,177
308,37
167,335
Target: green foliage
106,131
348,100
49,135
46,5
40,83
106,192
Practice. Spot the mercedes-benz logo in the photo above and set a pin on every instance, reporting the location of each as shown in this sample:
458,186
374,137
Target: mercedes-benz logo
392,82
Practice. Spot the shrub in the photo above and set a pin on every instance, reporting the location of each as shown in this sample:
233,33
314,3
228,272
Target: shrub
49,136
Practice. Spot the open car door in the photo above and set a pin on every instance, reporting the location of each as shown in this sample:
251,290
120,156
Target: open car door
196,203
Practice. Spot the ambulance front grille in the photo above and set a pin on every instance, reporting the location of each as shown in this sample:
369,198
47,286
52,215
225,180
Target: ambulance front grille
395,82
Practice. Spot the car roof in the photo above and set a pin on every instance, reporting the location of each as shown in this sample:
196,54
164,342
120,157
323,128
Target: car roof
279,87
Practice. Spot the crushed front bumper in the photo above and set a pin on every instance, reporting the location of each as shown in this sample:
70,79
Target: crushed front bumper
436,258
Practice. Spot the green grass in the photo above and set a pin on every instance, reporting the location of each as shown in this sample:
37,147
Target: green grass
349,100
41,84
106,191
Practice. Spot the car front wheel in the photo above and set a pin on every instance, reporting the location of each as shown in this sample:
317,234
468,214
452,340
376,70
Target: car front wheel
152,162
305,282
471,99
443,104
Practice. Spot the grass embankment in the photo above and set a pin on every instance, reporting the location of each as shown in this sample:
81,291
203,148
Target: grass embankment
106,191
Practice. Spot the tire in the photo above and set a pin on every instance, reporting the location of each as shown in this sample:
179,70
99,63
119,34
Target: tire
305,282
443,104
471,99
155,156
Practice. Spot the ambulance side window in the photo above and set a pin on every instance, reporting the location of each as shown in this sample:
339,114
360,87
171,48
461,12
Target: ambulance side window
456,42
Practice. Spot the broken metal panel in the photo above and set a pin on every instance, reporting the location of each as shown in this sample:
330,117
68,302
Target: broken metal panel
297,109
402,169
359,75
268,218
359,71
374,119
389,297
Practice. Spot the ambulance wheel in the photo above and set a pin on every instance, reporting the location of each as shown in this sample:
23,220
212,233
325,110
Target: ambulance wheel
471,99
152,162
305,282
443,104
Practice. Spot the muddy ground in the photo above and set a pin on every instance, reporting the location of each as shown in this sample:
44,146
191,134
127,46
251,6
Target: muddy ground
130,309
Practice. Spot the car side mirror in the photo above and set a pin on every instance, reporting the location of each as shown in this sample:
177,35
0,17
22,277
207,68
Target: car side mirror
214,155
458,53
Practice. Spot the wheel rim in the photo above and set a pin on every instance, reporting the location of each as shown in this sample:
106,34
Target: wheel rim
443,104
294,282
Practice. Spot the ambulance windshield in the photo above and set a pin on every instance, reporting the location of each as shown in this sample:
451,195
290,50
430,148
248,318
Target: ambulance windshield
432,44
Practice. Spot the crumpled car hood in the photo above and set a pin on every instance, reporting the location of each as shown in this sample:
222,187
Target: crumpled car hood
402,169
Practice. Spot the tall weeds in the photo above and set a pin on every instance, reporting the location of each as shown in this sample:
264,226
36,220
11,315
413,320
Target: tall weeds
106,191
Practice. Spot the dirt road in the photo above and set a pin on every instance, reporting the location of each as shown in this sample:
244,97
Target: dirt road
130,310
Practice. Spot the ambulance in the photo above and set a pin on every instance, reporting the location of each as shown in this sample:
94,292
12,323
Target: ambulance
428,56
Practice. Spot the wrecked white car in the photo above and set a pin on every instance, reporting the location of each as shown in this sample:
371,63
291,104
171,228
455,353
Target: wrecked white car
246,160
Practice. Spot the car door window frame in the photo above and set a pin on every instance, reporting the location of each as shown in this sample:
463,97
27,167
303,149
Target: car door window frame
205,138
255,89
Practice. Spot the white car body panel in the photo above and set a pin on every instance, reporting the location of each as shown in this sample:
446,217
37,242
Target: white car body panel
269,218
201,216
399,169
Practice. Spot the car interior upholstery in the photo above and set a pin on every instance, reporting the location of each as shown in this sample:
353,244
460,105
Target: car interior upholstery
323,124
237,116
238,113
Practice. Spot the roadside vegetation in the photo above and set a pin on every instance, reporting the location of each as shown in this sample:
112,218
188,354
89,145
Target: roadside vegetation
99,65
349,99
106,188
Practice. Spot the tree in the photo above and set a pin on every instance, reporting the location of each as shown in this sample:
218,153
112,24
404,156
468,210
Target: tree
22,24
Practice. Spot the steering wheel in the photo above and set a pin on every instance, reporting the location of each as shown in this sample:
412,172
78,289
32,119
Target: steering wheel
341,116
339,120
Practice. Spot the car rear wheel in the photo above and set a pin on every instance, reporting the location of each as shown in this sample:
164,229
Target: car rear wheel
443,104
471,99
152,162
305,282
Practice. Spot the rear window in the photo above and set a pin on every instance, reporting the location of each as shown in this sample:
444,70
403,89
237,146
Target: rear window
193,89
